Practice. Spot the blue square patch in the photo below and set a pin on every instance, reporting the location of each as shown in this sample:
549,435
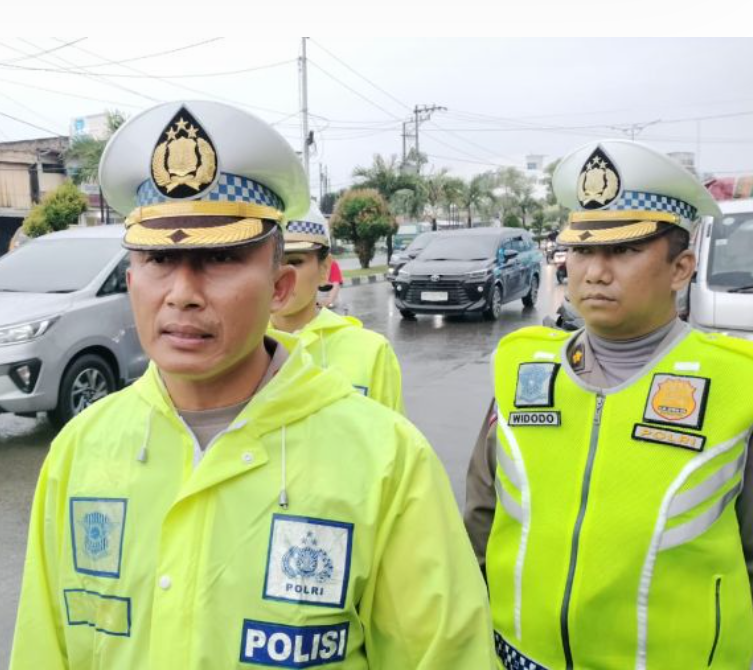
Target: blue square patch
97,529
308,560
535,387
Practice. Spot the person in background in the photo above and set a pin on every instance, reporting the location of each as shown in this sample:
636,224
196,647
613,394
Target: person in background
365,358
335,282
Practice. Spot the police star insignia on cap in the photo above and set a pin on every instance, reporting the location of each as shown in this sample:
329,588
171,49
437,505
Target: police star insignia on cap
201,174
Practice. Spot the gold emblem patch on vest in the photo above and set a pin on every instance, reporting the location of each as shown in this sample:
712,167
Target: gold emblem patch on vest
677,400
599,182
673,438
184,162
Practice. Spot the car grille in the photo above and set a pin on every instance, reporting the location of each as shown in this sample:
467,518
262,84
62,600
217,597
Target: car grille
454,288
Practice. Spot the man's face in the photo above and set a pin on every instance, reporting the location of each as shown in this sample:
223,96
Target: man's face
201,312
311,273
626,290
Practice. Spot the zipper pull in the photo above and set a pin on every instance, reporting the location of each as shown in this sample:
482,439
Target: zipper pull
599,407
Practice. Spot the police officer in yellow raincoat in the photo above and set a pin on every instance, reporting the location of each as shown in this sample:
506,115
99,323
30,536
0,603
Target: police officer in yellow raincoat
238,506
621,449
341,342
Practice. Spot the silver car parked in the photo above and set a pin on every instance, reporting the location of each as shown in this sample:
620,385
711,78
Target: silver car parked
67,335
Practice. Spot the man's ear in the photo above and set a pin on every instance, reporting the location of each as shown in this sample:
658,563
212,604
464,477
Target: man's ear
285,277
128,278
683,267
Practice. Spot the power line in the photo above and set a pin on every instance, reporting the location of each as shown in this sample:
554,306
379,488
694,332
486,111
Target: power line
33,125
67,94
151,55
46,51
352,90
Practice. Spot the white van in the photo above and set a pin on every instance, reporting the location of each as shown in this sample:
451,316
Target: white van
721,293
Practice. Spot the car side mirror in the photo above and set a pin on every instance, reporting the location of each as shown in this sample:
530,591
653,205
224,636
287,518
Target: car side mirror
509,254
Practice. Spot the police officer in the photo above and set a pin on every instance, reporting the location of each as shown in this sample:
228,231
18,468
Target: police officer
363,356
237,506
616,542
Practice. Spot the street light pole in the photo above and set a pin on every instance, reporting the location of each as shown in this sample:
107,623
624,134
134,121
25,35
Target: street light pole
304,105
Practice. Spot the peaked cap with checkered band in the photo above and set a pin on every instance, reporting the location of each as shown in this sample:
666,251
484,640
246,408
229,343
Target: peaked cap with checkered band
308,233
201,174
621,191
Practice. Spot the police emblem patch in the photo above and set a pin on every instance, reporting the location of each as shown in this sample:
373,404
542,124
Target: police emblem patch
599,182
308,560
677,400
184,162
97,526
535,387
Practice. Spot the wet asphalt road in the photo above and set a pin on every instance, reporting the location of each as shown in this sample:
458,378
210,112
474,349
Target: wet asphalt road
446,384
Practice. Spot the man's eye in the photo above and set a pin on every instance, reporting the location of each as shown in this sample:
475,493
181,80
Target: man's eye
295,262
158,259
222,257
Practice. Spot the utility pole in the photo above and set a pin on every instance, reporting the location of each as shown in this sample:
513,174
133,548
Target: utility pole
304,105
422,113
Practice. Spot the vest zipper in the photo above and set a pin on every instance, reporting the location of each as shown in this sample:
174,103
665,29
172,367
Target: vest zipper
564,624
718,629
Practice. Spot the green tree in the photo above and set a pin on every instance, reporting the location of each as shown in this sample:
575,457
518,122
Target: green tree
511,220
476,194
85,152
362,217
58,210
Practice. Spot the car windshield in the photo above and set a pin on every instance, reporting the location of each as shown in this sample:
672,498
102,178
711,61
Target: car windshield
407,229
58,265
731,251
419,243
457,248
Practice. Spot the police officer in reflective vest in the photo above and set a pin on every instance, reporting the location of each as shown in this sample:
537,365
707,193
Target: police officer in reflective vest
623,518
237,506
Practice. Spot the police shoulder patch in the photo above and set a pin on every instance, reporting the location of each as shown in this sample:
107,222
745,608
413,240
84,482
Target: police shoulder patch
308,560
535,386
97,531
677,400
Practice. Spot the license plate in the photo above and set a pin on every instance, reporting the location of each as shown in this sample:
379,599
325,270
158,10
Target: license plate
434,296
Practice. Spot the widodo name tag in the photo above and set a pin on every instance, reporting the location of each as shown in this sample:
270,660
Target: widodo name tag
308,560
535,387
677,400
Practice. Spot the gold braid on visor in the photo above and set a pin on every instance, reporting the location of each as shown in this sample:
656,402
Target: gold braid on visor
243,210
623,215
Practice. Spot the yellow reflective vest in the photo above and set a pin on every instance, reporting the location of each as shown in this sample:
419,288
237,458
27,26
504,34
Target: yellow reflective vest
137,560
365,358
615,542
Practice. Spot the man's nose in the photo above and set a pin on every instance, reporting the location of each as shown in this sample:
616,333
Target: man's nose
186,287
598,268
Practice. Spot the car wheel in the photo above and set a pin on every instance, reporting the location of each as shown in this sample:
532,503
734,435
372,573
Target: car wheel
407,314
494,309
530,299
86,380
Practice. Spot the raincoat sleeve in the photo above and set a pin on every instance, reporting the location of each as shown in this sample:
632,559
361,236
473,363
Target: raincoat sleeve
386,379
745,513
480,498
39,641
427,608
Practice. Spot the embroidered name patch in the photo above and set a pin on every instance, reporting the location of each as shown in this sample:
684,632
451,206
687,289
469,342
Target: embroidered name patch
308,560
293,647
534,419
535,387
97,526
677,400
674,438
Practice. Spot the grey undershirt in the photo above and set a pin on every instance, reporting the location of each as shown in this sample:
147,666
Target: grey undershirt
621,359
207,424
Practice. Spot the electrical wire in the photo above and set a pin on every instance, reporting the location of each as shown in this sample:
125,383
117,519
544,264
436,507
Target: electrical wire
151,55
45,51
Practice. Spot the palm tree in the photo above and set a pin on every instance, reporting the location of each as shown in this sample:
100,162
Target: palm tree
477,193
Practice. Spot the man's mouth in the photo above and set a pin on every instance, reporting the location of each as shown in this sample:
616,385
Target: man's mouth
185,332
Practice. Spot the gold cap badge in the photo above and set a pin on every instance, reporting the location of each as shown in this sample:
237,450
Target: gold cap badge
599,182
184,163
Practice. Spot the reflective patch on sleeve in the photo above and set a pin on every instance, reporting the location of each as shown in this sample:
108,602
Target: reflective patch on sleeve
106,614
280,646
672,438
97,529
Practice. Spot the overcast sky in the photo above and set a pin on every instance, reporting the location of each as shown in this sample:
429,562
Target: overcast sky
505,97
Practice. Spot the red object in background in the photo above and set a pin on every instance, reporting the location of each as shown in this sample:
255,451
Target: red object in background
730,188
335,274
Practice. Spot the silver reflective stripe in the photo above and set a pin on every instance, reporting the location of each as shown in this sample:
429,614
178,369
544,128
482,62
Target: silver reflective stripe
647,574
695,527
706,490
507,465
512,507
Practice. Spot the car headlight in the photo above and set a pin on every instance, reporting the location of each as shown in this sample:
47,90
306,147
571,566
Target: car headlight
23,332
478,275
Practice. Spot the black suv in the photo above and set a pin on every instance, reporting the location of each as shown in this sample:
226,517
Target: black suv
476,270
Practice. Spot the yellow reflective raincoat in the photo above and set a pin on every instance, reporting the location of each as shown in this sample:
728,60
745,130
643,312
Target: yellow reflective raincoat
363,356
138,560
